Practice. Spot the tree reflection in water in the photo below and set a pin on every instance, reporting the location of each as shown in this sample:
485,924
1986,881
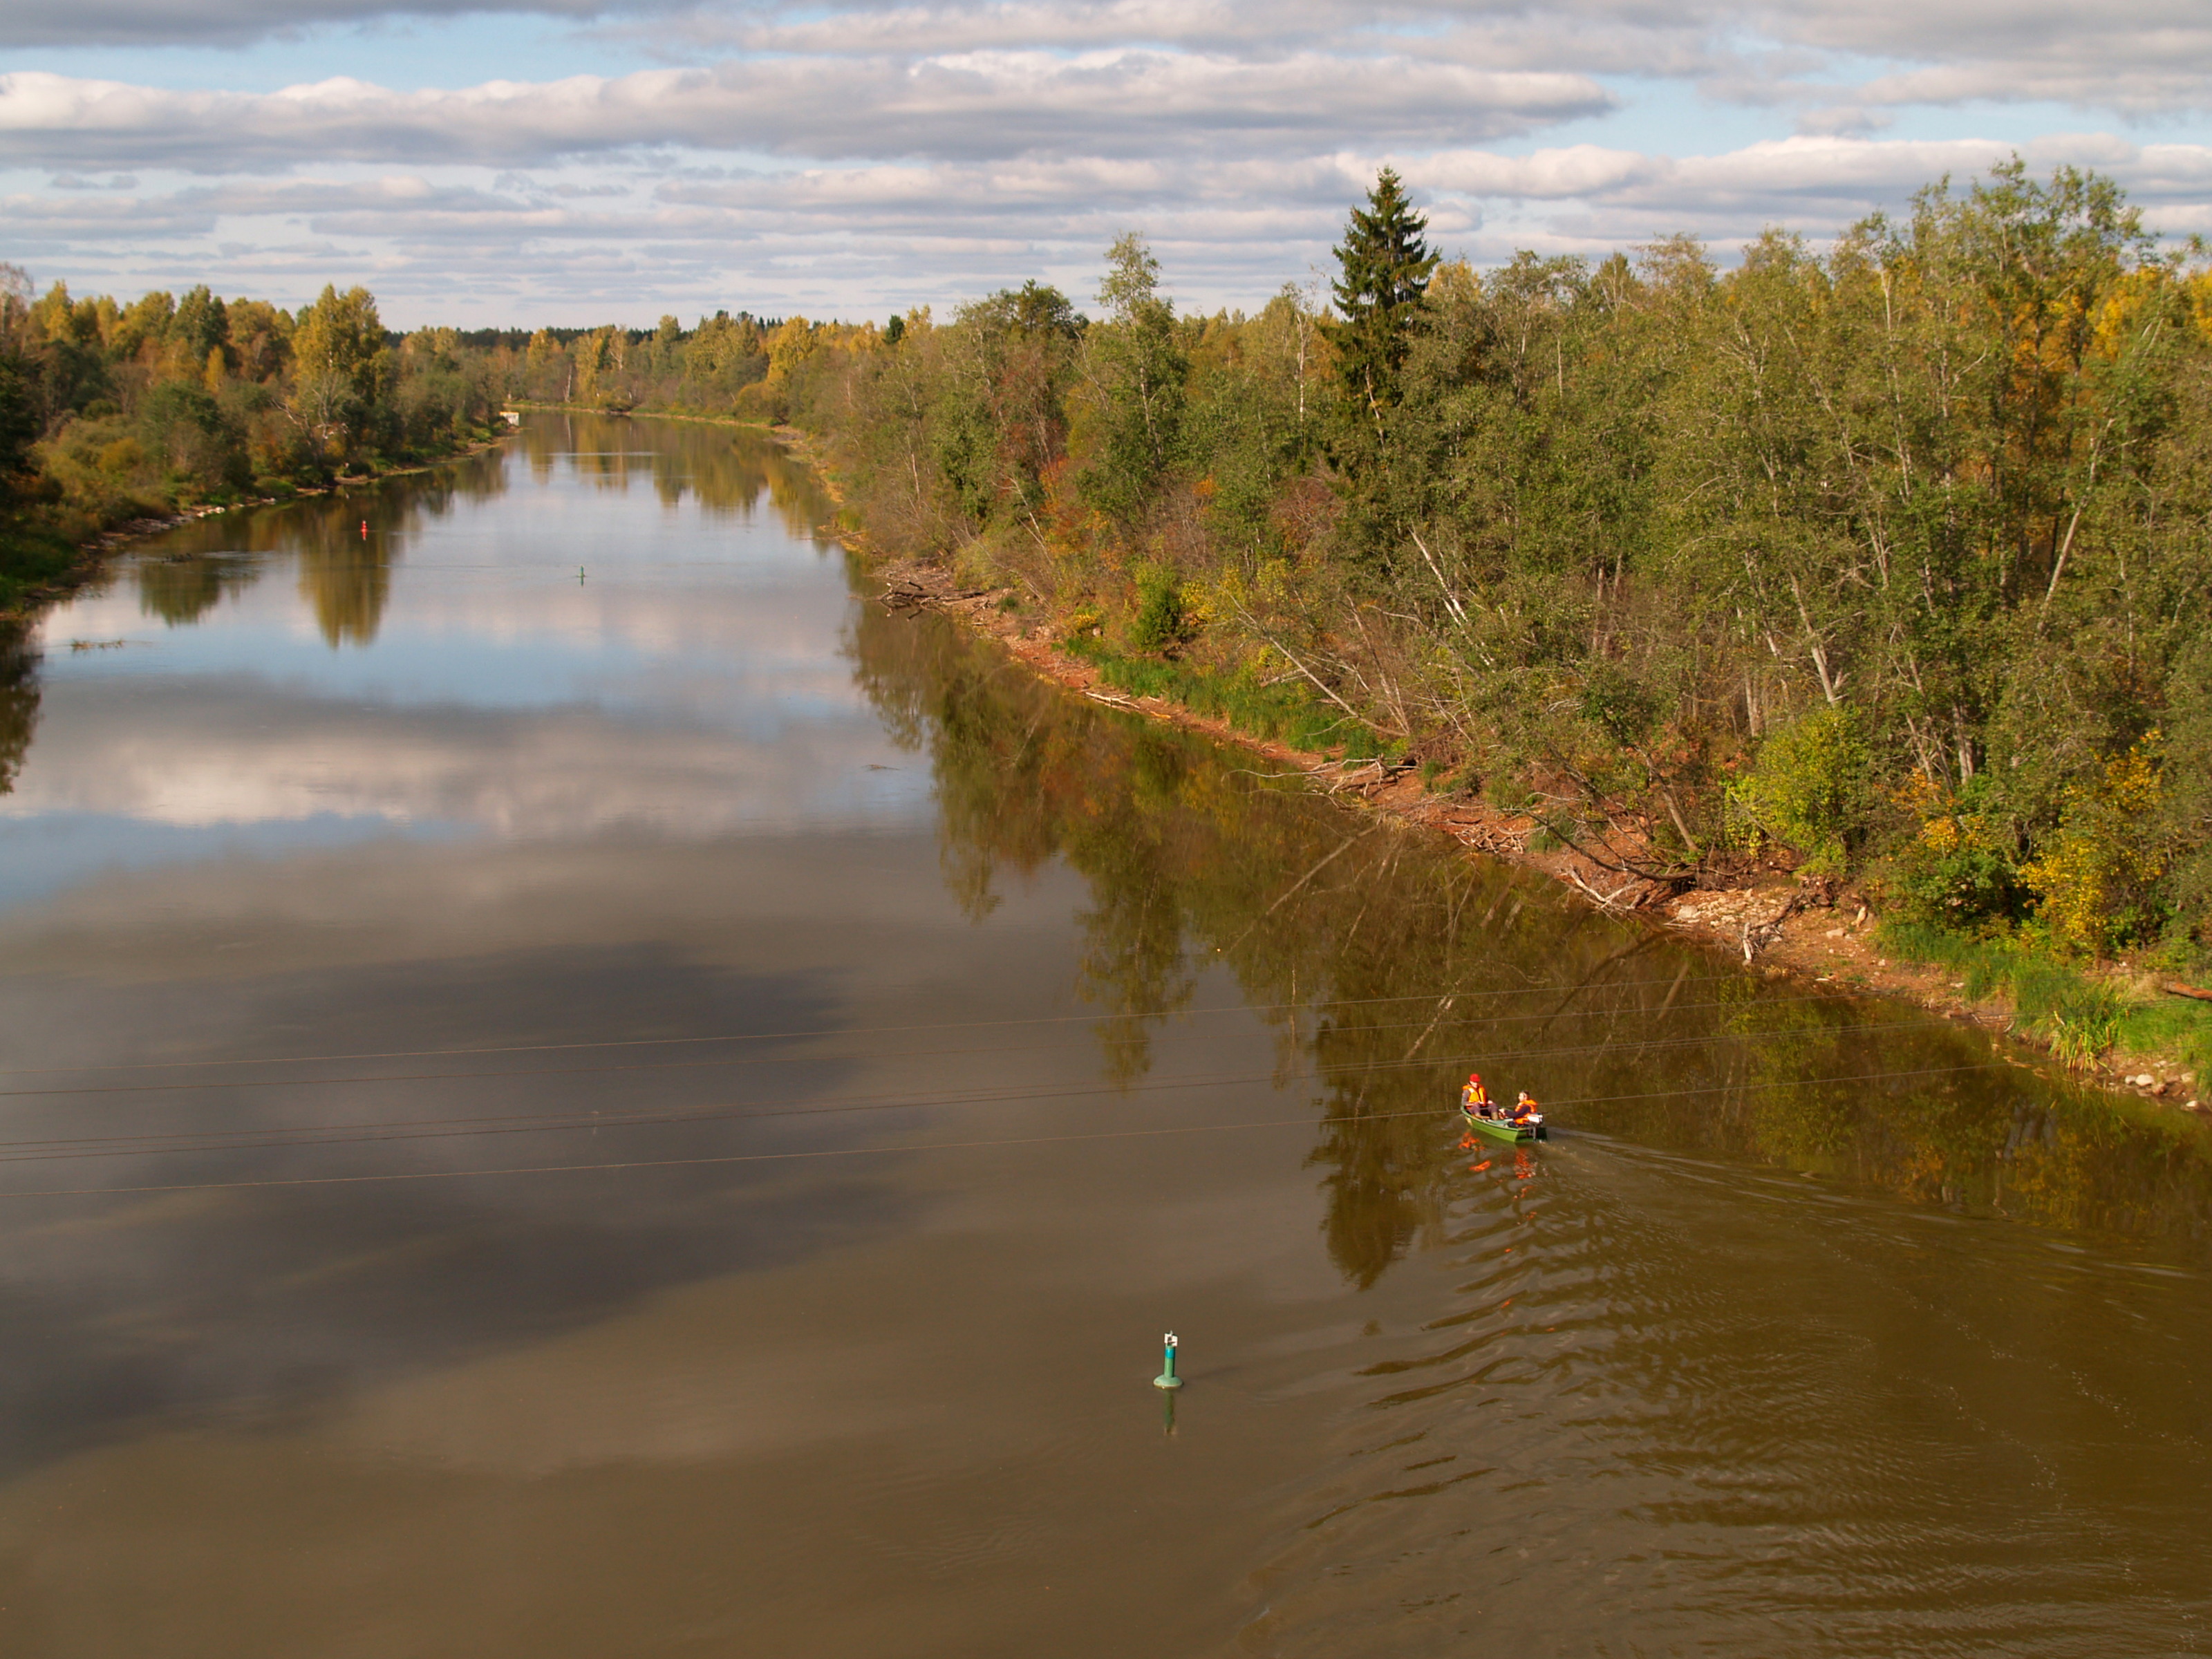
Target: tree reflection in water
345,577
726,469
182,587
346,586
1391,966
19,700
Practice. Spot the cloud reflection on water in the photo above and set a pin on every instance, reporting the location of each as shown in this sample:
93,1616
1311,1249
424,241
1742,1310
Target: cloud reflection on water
479,691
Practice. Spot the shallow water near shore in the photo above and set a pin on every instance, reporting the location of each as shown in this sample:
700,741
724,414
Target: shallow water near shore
572,1086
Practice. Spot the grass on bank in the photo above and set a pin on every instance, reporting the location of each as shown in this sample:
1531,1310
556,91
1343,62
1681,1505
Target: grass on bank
31,559
1287,713
2082,1016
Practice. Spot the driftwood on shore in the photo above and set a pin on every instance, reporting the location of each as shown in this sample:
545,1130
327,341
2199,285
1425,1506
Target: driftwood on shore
904,594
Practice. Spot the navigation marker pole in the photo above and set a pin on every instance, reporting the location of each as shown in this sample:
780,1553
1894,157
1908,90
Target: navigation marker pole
1167,1378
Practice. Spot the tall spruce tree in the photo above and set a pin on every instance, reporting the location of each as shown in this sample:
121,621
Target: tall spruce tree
1386,263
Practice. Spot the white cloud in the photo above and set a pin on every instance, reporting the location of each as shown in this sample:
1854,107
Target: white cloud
501,774
559,760
2153,57
972,105
863,157
861,239
230,22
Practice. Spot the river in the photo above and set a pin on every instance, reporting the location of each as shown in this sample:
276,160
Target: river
574,1087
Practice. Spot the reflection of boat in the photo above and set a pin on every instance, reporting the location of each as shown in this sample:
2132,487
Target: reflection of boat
1498,1129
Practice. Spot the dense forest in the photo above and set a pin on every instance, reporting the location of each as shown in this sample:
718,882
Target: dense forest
110,412
1892,557
1889,559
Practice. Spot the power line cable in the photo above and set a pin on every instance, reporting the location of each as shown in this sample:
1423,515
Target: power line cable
856,1030
818,1058
185,1143
924,1146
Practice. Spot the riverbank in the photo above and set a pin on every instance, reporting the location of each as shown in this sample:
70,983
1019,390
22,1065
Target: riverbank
1825,933
786,436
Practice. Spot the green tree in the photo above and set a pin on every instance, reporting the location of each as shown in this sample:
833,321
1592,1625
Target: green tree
1001,416
1138,371
1385,264
143,324
260,339
192,442
202,324
1892,546
18,429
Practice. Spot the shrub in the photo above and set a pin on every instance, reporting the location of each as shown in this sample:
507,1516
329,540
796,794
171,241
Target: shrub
762,401
1960,868
100,470
1505,788
1163,623
2096,881
1617,703
1811,787
192,443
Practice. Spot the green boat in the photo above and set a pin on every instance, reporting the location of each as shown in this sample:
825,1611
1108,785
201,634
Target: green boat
1498,1129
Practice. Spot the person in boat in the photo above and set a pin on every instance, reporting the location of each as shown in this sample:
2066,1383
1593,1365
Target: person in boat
1525,1109
1474,1099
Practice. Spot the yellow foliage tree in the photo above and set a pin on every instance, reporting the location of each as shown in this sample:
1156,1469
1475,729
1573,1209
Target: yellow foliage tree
341,365
2092,880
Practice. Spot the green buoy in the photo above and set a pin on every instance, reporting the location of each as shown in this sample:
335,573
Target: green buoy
1167,1378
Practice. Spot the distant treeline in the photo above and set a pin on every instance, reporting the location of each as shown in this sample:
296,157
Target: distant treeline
1896,555
111,412
708,370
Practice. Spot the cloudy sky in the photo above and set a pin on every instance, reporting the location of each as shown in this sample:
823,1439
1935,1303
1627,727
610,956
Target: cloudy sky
575,161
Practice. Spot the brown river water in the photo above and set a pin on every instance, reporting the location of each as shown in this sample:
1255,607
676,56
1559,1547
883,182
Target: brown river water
571,1087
